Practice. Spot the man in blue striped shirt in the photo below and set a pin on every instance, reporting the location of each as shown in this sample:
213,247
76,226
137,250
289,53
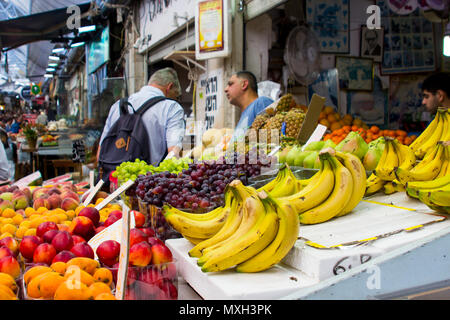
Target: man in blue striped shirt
164,121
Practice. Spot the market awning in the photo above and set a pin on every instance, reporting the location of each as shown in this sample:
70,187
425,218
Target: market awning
47,25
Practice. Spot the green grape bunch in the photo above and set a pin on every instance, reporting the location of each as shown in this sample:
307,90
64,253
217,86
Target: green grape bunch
129,170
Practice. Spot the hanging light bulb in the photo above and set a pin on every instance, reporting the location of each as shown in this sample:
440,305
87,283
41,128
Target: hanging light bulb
446,45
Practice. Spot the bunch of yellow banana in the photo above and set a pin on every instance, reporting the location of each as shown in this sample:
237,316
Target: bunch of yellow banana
437,130
256,233
333,191
284,184
434,165
395,156
434,193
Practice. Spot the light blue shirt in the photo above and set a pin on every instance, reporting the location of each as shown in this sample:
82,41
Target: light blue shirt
4,164
164,121
248,116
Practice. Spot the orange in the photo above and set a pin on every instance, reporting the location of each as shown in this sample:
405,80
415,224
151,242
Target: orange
103,275
357,122
97,288
105,296
374,129
401,133
325,123
331,118
335,126
355,128
328,109
48,284
322,115
407,141
71,290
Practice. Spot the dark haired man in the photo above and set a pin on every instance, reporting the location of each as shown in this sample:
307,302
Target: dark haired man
242,92
436,92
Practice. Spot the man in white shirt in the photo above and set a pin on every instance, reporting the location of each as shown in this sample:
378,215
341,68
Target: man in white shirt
4,164
164,121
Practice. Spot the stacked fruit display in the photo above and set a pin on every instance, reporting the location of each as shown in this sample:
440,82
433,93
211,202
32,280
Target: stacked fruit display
8,287
79,278
152,272
370,134
255,229
437,130
333,120
287,118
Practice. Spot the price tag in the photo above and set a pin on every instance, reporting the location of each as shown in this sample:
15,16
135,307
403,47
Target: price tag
316,135
91,179
122,273
25,181
92,192
115,194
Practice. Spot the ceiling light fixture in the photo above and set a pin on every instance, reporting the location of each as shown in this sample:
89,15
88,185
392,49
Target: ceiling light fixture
446,44
54,58
77,44
87,29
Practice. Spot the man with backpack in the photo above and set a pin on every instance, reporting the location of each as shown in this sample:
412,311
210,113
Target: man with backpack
148,125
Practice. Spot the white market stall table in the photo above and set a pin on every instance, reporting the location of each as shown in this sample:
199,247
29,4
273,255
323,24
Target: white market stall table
388,231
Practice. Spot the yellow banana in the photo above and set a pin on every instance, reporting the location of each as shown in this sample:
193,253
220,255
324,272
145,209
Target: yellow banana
197,228
391,187
429,184
445,163
314,193
286,187
435,137
230,226
273,183
194,241
338,199
428,172
407,156
446,131
440,197
426,134
287,234
373,185
253,212
356,168
386,171
246,246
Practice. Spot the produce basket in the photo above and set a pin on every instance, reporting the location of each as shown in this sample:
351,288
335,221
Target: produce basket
153,282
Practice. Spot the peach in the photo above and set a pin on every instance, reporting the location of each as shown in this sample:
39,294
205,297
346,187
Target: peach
11,266
63,256
20,200
137,236
140,254
10,243
38,192
49,235
70,194
161,254
6,252
110,220
28,245
62,241
83,249
154,240
44,253
77,239
115,213
108,252
139,218
69,203
99,229
44,227
41,202
54,201
91,213
4,204
82,226
149,231
53,190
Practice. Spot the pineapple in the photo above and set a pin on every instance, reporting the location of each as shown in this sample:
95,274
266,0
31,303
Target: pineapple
294,120
286,103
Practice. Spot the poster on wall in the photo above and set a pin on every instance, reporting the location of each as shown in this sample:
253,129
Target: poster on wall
209,98
355,73
97,52
409,44
327,86
370,107
330,20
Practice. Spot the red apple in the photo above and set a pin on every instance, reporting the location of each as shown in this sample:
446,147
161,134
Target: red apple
28,245
63,256
6,252
45,253
140,254
154,240
44,227
62,241
139,218
49,235
92,213
161,254
108,252
137,236
77,239
149,231
83,249
11,243
110,220
11,266
115,213
82,226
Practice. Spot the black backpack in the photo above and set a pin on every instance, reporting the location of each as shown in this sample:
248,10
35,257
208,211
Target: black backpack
127,140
